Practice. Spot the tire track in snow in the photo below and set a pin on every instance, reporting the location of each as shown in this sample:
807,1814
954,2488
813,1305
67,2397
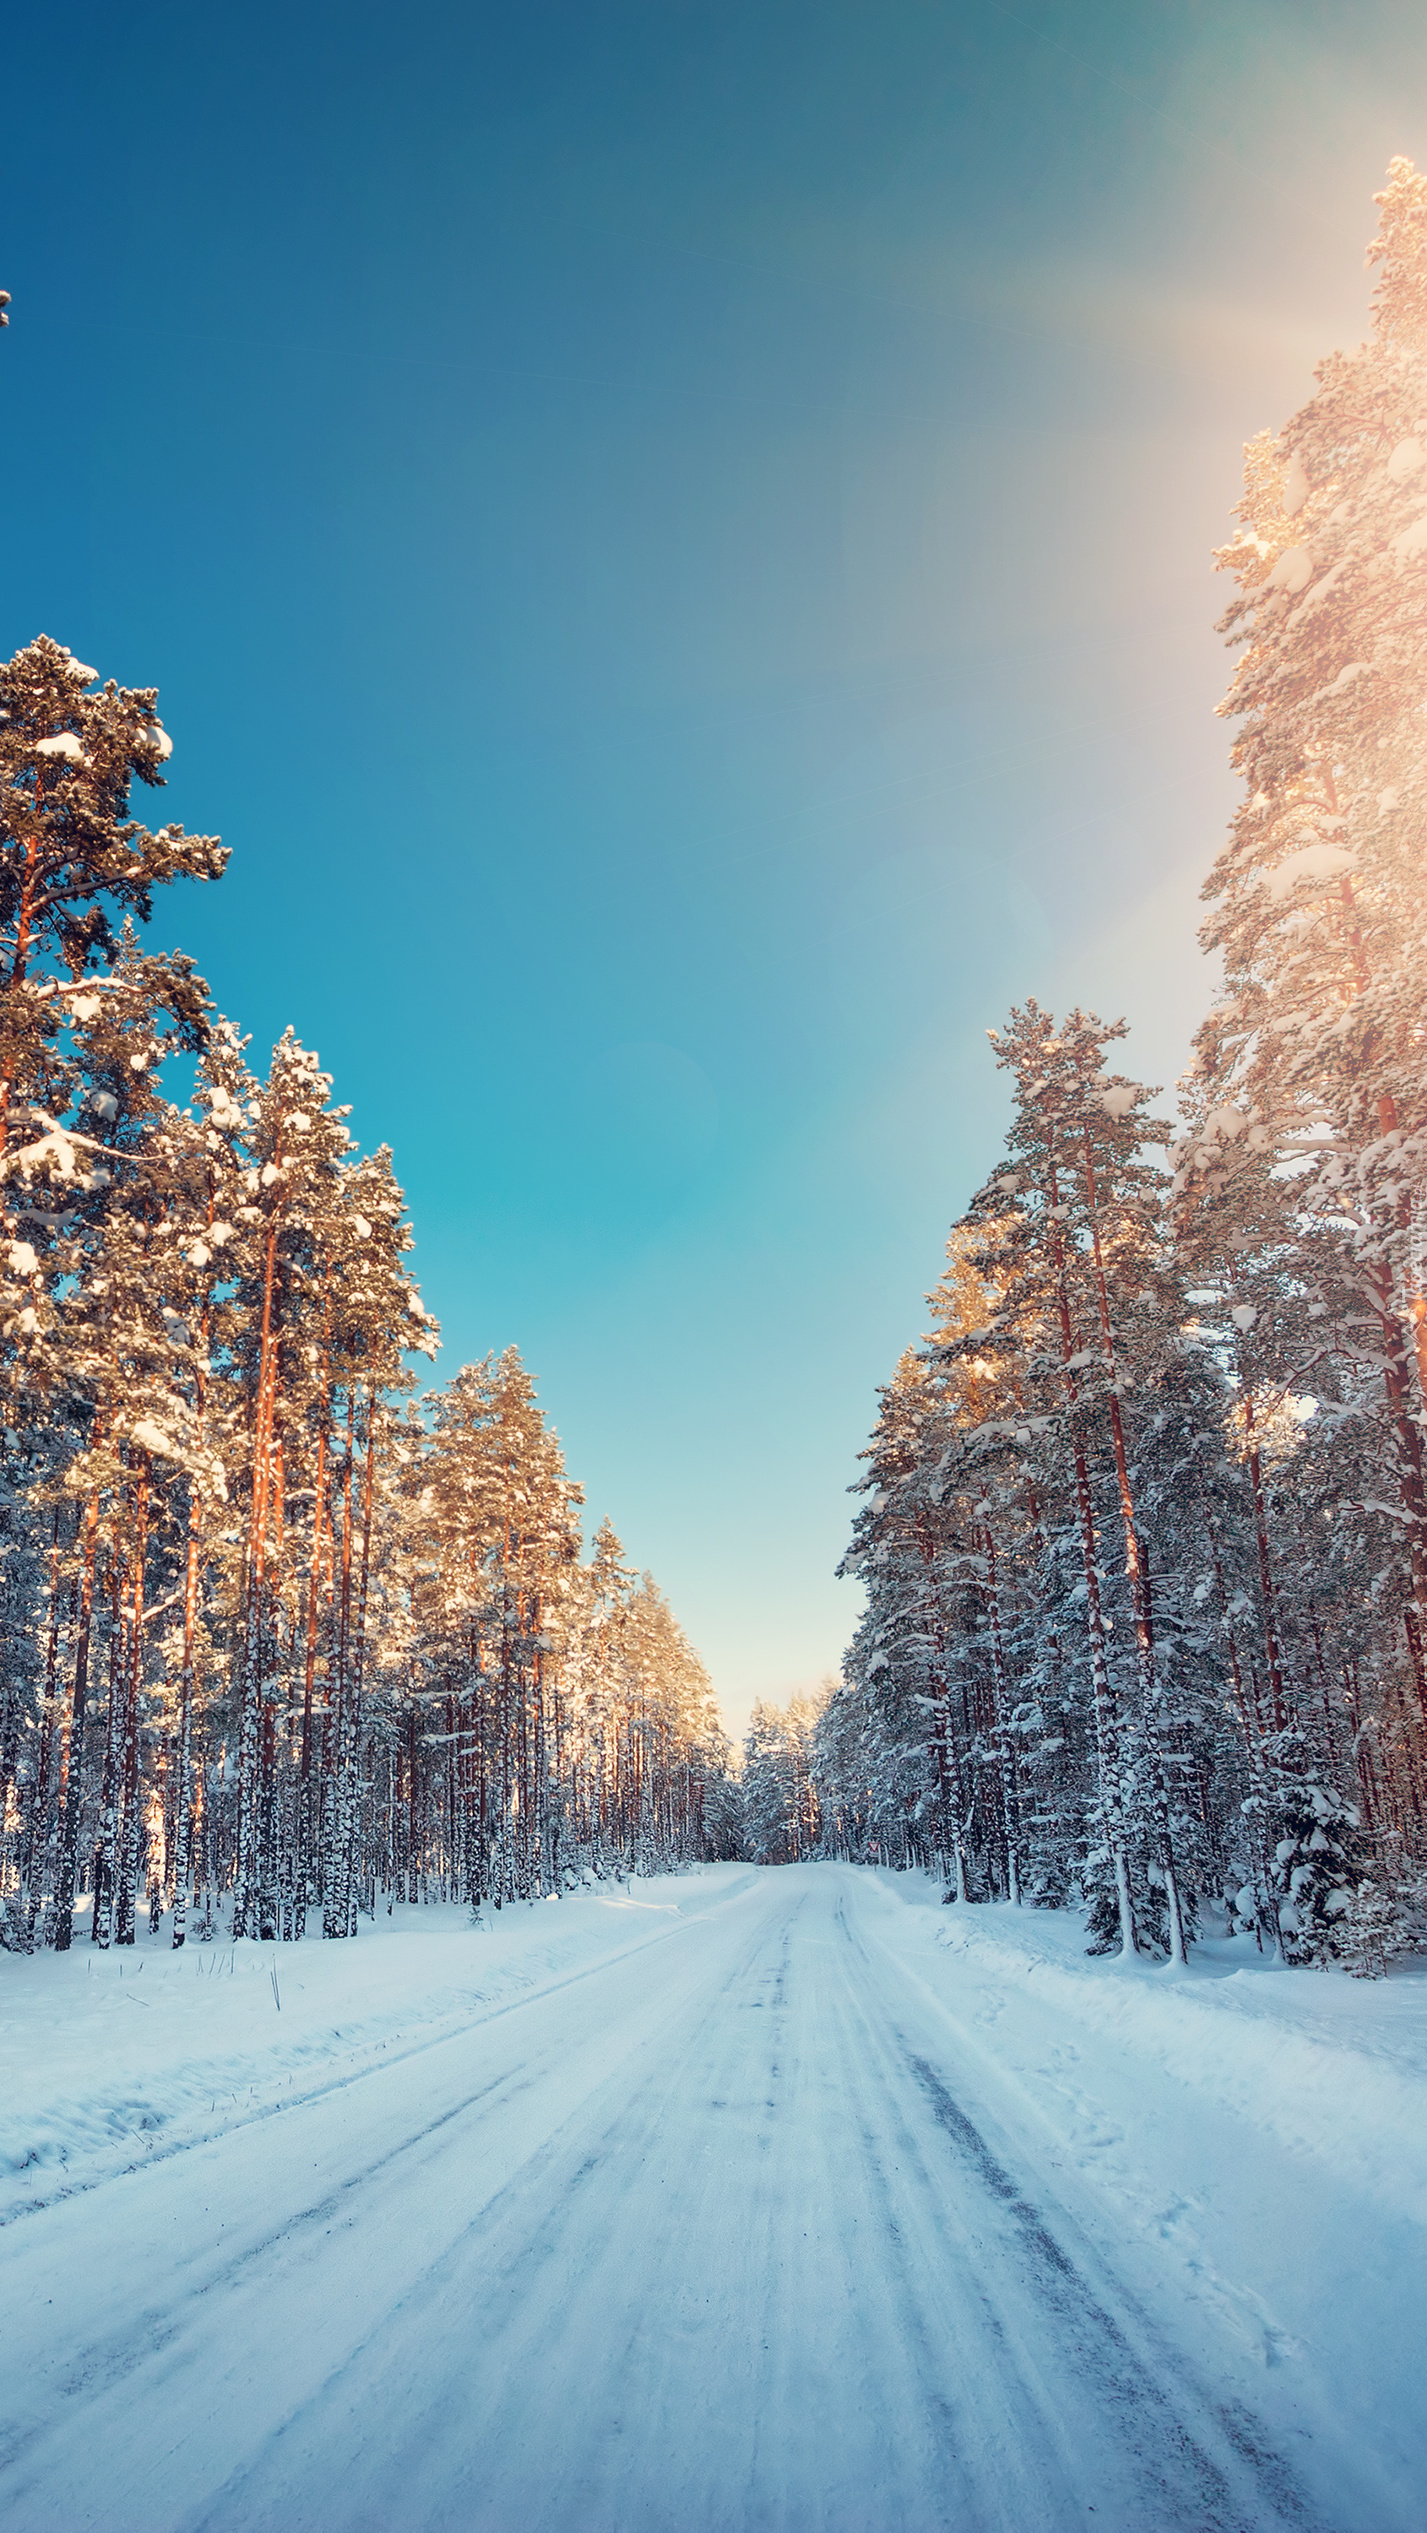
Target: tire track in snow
339,2084
740,2262
1121,2378
148,2332
528,2334
1127,2382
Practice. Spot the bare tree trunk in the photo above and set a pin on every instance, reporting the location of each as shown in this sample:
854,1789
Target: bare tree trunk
72,1753
107,1844
358,1664
335,1909
183,1769
1004,1747
134,1672
246,1893
36,1826
1107,1721
1137,1568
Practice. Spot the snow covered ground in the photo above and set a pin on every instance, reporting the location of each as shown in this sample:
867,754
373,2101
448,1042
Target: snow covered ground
737,2200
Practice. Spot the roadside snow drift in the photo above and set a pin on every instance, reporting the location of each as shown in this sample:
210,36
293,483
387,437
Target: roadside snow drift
742,2199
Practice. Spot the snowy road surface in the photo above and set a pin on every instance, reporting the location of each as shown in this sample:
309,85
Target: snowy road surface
738,2225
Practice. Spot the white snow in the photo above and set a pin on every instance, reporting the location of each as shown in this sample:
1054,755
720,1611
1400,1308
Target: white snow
1226,1122
1405,460
786,2199
54,1151
1413,540
1313,862
23,1260
65,744
151,1437
1320,590
1293,571
1296,486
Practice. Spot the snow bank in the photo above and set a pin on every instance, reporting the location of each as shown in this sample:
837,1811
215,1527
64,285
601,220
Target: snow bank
1328,2066
730,2156
118,2058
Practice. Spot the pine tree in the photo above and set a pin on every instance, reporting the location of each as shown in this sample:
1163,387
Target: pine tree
1317,900
72,860
266,1630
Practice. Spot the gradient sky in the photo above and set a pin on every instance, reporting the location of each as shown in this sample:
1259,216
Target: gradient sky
674,545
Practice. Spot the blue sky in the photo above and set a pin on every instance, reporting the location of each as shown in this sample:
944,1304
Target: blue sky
673,542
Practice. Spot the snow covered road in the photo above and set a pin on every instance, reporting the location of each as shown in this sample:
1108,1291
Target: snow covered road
735,2225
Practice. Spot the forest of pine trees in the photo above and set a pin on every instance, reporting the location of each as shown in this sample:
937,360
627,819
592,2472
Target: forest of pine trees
780,1816
1144,1526
282,1643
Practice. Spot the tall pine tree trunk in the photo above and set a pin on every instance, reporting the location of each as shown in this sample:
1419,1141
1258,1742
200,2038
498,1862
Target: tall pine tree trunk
335,1902
35,1830
358,1664
247,1886
111,1784
1005,1747
1137,1569
131,1834
72,1753
1105,1703
183,1757
309,1803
